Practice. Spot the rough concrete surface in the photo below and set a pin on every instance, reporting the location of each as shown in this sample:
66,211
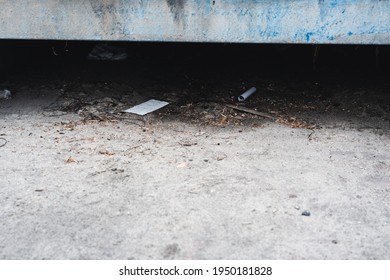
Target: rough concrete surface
169,188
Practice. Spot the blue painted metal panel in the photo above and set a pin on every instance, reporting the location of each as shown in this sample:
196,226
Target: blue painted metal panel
251,21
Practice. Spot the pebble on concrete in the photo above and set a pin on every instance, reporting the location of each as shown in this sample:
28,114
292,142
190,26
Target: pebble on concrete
306,213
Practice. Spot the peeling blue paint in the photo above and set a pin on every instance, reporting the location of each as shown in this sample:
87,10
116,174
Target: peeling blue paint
308,36
255,21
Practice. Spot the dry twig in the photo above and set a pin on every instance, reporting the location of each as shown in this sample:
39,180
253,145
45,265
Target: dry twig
251,111
4,142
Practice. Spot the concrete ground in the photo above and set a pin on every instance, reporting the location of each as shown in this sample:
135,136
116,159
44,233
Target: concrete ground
214,184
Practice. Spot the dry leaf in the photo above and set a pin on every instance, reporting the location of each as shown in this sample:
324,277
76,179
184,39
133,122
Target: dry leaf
71,160
220,157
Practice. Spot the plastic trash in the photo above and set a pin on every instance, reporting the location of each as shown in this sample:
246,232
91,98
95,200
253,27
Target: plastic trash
147,107
106,52
5,94
246,94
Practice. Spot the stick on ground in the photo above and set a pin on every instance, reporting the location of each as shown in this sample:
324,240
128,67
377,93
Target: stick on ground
251,111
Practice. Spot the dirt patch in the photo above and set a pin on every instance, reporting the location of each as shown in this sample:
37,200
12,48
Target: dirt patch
203,178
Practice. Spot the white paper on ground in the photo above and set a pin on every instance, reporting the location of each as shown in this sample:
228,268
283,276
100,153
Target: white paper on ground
147,107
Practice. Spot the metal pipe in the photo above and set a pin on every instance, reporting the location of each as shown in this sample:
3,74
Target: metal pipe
246,94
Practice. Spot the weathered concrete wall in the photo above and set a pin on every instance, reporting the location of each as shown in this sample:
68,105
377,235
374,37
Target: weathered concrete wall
256,21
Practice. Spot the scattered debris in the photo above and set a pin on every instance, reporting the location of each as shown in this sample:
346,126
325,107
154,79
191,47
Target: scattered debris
335,242
200,133
182,165
147,107
108,104
297,207
101,109
106,52
5,94
39,190
306,213
116,170
220,157
294,122
3,142
310,135
247,94
71,160
187,143
106,152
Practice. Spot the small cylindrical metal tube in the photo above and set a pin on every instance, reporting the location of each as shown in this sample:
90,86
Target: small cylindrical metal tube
246,94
